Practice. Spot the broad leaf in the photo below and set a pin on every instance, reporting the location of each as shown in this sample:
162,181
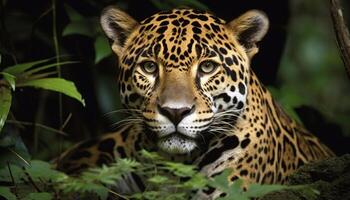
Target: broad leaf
5,104
55,84
102,48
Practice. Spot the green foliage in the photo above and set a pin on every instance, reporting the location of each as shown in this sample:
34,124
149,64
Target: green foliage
32,74
55,84
88,26
7,194
5,104
235,190
163,180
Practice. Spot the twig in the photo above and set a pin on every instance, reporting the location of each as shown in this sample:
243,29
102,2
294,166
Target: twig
19,156
13,180
32,182
117,194
341,32
66,121
37,125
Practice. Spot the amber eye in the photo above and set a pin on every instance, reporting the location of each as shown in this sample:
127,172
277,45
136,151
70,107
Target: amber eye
207,67
149,67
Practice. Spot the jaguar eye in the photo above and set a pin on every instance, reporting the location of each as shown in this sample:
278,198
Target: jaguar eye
207,67
149,67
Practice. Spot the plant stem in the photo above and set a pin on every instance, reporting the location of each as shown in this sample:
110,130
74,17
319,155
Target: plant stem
57,52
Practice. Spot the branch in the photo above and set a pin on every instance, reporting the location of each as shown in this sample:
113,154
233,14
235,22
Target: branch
341,32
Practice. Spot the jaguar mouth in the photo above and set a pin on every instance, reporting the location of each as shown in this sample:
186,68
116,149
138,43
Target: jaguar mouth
177,143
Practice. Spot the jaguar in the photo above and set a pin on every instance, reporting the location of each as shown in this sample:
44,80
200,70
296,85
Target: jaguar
186,80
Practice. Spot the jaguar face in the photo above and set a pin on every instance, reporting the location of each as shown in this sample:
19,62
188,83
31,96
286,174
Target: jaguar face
185,71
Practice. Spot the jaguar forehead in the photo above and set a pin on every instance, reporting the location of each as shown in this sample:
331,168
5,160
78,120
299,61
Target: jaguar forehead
177,38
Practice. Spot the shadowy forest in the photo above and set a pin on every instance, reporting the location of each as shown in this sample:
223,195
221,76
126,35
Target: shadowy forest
58,75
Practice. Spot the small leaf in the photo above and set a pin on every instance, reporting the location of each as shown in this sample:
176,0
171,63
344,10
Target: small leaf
6,193
19,68
198,181
39,195
180,169
5,104
55,84
102,48
157,179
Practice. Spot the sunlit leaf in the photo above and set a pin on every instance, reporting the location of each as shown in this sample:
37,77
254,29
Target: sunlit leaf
5,104
6,193
102,48
11,80
55,84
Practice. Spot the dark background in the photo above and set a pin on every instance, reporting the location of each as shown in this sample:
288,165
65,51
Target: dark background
298,60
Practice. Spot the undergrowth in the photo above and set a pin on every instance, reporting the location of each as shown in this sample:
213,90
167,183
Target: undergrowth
163,180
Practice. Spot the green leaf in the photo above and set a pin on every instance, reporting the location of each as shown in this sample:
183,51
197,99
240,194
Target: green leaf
220,181
150,155
157,179
6,193
79,27
39,195
102,48
17,173
73,14
40,170
10,79
198,181
13,150
19,68
55,84
5,104
37,69
180,169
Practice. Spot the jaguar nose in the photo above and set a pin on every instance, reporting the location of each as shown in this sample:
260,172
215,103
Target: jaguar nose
175,115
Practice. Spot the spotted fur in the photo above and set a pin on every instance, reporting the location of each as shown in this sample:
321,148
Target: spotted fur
185,74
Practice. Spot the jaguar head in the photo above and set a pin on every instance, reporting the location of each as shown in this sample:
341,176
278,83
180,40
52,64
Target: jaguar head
185,71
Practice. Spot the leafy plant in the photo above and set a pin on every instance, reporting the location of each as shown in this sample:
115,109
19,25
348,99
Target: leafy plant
88,26
33,74
163,180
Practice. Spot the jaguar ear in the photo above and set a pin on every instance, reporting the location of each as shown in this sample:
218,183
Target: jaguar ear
249,29
118,26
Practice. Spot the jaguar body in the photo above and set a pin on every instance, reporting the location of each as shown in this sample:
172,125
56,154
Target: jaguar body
185,77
